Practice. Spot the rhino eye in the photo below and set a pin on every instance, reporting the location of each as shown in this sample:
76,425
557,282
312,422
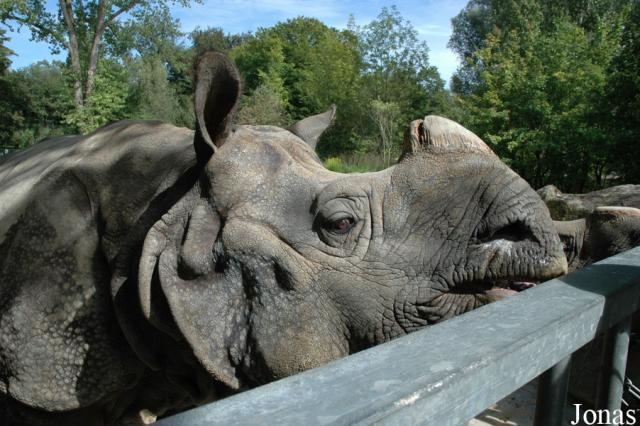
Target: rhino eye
340,226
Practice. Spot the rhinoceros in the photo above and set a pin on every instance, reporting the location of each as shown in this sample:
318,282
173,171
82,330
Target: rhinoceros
604,232
563,206
148,268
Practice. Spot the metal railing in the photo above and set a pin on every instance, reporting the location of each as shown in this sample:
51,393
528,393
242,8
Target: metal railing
448,373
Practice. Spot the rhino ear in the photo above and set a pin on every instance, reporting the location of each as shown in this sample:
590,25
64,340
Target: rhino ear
217,91
311,128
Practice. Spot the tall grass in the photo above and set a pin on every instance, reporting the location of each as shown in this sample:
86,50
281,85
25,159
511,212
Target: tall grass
355,163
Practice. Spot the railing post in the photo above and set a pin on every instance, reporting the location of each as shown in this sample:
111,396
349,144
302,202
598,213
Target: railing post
552,394
614,364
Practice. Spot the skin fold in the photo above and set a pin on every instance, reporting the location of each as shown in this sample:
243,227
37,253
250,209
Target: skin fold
147,269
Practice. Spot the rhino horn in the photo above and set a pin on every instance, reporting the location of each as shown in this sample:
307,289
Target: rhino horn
440,132
311,128
217,91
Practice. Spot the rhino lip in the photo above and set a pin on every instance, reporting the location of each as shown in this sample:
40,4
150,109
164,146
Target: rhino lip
469,294
504,288
498,288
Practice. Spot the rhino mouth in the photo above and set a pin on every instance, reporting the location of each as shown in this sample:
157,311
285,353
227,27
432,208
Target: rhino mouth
470,293
507,259
497,289
413,314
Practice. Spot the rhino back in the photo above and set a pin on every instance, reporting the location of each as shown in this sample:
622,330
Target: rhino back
67,209
564,206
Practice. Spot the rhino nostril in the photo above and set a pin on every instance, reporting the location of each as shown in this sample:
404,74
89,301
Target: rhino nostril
513,231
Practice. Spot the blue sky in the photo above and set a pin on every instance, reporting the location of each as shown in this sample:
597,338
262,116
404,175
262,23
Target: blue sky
432,19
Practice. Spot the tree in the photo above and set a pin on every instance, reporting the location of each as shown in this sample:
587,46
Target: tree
308,66
314,62
11,117
390,46
623,100
470,29
108,102
397,63
480,18
538,98
149,32
34,103
79,28
385,116
263,106
46,85
5,53
215,39
476,22
397,76
151,95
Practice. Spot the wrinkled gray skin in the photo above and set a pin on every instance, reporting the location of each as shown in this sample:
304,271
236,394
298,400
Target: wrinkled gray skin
595,225
564,206
606,231
138,274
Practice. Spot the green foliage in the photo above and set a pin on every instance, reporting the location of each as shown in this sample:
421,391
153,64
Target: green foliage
207,39
36,100
397,72
152,96
44,25
310,66
5,53
148,33
10,120
355,163
107,103
470,29
313,62
623,100
292,70
46,86
385,116
552,85
397,65
264,106
50,26
81,28
392,52
537,93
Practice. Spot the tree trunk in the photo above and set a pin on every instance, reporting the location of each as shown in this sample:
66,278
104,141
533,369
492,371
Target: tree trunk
95,47
74,51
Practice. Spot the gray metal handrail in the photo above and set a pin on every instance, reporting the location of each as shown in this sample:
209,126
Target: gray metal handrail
448,373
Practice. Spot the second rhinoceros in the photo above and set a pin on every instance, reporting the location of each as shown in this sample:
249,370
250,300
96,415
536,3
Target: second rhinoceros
145,267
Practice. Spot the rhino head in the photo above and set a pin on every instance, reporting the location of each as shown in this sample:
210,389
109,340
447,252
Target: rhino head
273,264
